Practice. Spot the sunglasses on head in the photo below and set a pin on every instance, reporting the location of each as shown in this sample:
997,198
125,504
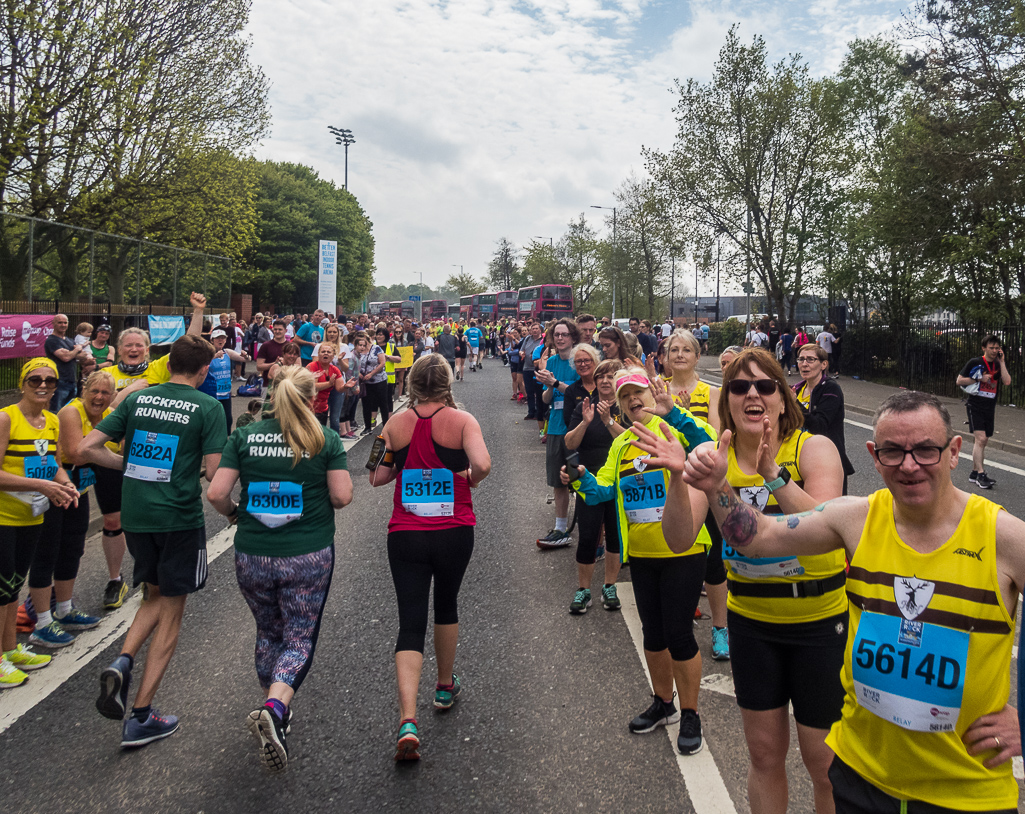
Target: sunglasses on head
35,381
740,387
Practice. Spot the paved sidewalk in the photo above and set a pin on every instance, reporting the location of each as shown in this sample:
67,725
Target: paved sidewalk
861,398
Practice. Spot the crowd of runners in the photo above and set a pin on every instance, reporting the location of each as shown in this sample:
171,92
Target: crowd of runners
884,623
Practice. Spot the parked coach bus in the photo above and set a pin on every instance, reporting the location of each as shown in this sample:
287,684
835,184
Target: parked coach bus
453,311
507,304
546,302
465,307
436,309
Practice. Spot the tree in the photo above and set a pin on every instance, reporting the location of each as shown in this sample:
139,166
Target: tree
465,284
751,148
647,242
504,273
102,101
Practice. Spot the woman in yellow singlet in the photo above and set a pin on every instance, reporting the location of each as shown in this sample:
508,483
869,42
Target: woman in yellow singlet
30,480
132,356
681,372
787,616
62,543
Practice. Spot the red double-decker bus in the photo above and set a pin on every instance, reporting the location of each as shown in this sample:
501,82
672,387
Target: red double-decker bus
465,307
546,302
483,306
376,309
401,308
507,304
435,309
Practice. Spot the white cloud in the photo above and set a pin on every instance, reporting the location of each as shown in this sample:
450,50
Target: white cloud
478,119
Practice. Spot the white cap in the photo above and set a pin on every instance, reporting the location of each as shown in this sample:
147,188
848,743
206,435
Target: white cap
217,332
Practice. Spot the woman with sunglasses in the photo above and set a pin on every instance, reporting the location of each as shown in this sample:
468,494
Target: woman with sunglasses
666,578
30,481
787,616
821,401
99,346
60,549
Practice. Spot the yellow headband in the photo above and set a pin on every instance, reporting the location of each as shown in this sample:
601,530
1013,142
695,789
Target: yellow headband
35,364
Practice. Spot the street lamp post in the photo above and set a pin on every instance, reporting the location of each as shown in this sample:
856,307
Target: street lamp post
718,254
615,253
421,296
343,137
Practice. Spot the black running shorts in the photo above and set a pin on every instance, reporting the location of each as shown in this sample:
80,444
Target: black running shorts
174,561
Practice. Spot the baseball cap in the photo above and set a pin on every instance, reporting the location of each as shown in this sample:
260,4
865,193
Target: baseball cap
216,333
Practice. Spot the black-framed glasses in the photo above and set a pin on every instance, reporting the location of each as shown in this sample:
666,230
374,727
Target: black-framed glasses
809,359
926,455
35,381
560,333
587,360
740,387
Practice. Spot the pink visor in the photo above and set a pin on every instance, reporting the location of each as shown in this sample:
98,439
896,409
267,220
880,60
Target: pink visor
635,379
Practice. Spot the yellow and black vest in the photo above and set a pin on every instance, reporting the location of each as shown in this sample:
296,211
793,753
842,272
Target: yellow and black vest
30,453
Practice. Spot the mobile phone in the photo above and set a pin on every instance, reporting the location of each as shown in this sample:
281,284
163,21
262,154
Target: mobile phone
573,458
376,453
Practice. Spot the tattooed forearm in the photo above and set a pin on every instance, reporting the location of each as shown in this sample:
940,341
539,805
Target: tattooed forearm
741,522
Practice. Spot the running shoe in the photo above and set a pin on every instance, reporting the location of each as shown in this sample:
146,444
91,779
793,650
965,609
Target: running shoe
610,598
114,683
554,539
350,436
660,713
720,643
973,476
530,417
581,601
984,482
76,620
408,746
53,636
114,594
137,733
445,697
24,659
689,739
269,731
10,676
365,432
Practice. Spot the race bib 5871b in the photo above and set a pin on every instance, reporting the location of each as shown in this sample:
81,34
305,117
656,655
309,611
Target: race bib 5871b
151,456
644,496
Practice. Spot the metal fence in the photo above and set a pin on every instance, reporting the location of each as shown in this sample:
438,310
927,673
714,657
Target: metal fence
923,356
46,260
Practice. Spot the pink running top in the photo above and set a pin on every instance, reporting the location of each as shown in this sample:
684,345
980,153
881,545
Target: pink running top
428,495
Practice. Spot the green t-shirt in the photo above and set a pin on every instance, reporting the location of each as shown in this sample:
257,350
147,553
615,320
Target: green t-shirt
283,512
167,429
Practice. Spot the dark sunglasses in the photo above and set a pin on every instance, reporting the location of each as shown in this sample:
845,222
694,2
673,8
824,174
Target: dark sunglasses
740,387
35,381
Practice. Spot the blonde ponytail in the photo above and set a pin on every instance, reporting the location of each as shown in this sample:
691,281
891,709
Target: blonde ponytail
293,390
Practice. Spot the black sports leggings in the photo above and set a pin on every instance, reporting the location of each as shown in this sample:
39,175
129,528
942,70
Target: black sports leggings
61,545
376,399
667,590
415,558
590,519
17,545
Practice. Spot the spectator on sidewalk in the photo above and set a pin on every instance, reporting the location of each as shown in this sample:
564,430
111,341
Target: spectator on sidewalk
821,401
981,379
66,355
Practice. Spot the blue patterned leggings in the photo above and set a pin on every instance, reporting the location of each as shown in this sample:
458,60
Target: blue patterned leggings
287,597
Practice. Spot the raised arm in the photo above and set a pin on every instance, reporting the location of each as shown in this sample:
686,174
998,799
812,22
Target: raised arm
198,308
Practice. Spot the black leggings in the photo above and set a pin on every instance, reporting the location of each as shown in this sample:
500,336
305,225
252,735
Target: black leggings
376,399
667,590
61,545
415,558
590,519
17,545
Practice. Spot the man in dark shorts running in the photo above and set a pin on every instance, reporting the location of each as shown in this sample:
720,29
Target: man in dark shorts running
169,430
982,377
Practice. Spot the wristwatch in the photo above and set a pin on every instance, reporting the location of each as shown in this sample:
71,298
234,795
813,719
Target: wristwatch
780,482
612,422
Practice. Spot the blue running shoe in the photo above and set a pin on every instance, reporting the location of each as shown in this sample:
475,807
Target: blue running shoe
53,636
138,733
114,683
445,697
408,746
76,620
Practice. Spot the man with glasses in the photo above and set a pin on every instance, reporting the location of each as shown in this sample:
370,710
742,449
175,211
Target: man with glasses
981,379
934,578
557,374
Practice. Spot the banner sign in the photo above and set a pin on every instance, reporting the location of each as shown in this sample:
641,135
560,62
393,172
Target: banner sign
327,277
24,334
164,330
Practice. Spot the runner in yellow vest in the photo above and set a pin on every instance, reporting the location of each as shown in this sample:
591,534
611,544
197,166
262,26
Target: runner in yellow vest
933,586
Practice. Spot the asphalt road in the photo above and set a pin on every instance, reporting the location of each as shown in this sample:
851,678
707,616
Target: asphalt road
541,724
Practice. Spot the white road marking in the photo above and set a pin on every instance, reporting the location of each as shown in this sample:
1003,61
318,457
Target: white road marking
87,646
704,783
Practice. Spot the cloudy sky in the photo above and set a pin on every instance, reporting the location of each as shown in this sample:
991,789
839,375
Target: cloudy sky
481,119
